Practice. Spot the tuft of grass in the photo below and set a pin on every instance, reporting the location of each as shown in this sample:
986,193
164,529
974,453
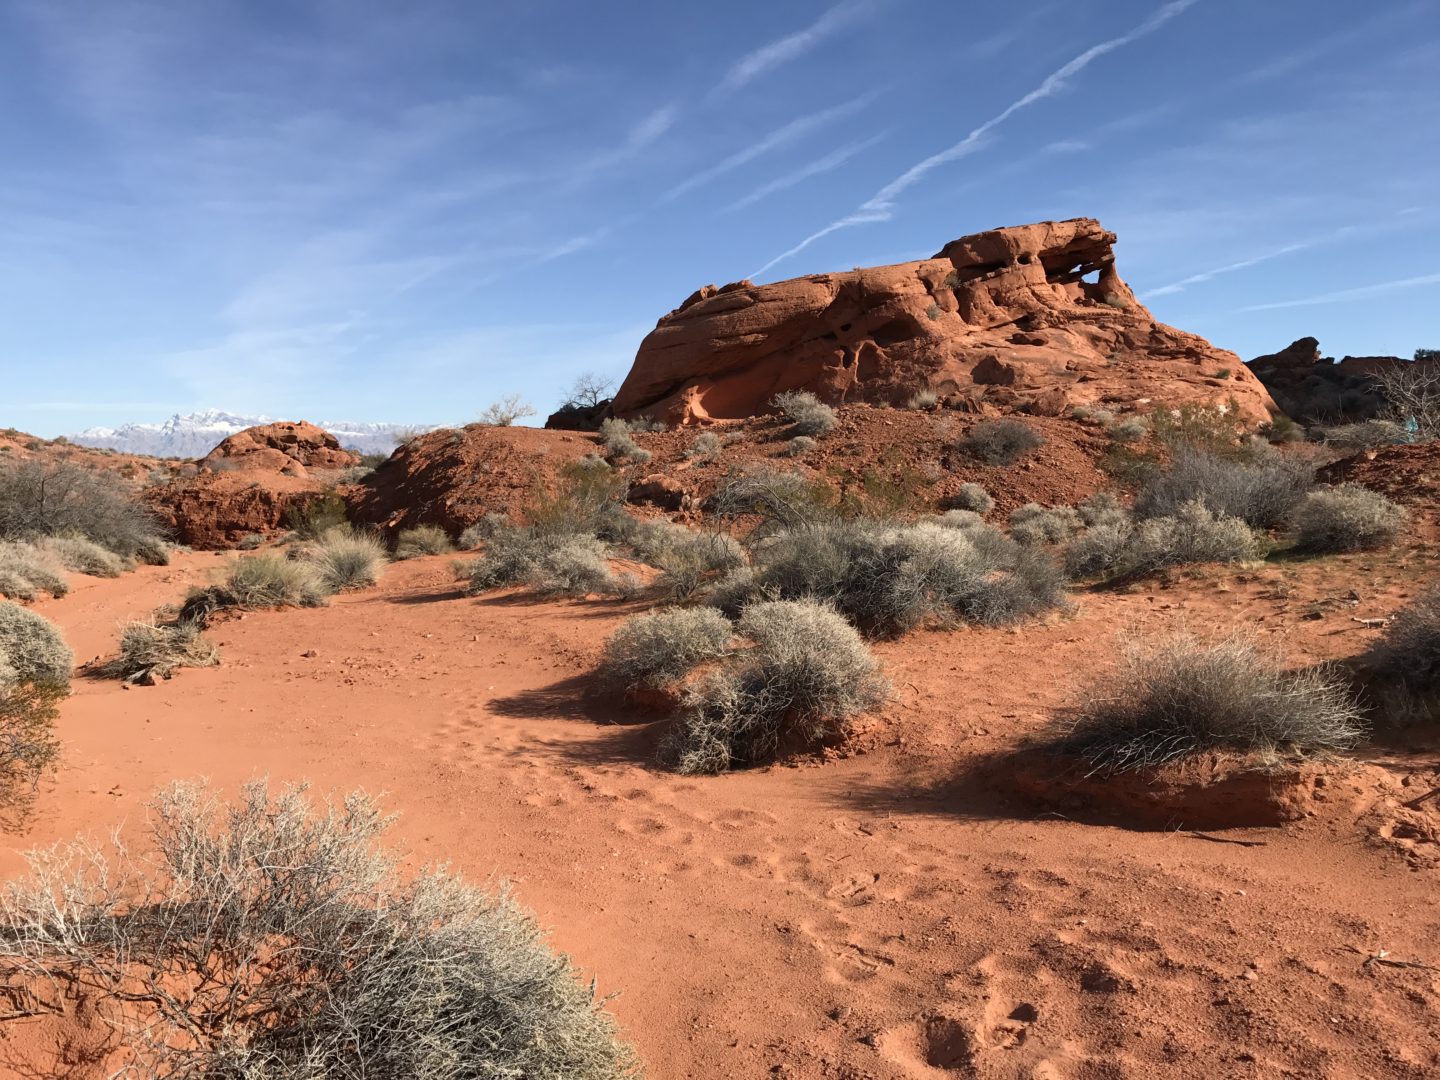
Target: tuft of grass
83,556
1346,517
26,571
285,942
972,497
346,559
806,676
1183,696
807,414
657,649
922,399
270,580
150,650
1001,442
422,540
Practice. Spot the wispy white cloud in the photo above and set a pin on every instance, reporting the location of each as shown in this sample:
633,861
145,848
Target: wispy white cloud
778,139
881,206
783,50
1359,293
1229,268
832,160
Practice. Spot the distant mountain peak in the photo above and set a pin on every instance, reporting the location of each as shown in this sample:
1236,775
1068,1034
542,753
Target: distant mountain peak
195,434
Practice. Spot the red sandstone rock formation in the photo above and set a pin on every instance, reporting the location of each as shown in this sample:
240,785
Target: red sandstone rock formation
1003,319
249,482
285,447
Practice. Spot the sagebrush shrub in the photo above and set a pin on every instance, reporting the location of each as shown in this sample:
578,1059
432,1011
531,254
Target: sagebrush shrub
1001,442
781,500
658,648
972,496
888,579
346,559
83,556
1346,517
476,534
615,436
1407,655
807,414
1366,435
1261,493
32,648
799,445
706,447
571,564
807,674
151,650
1183,696
284,943
57,499
1102,508
1126,548
692,560
26,571
422,540
960,519
1036,524
1128,430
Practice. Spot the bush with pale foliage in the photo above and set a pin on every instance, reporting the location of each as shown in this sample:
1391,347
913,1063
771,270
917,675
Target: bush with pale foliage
422,540
271,939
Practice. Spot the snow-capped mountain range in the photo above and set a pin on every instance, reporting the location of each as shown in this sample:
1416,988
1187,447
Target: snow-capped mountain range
196,434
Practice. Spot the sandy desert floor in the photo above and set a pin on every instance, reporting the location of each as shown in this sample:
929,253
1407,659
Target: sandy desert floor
887,913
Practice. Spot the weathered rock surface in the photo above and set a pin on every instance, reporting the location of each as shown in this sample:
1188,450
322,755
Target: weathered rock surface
286,447
1002,320
249,482
1313,388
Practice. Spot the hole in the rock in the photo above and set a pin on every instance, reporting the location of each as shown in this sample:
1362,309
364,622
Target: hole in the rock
893,332
1026,258
845,328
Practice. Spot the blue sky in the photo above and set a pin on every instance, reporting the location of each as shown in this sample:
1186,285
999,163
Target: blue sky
374,210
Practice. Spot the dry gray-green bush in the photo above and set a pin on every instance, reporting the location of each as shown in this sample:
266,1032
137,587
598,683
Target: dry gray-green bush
506,411
422,540
1102,508
150,651
691,561
889,579
807,674
551,563
1412,396
706,447
57,499
959,519
250,541
269,580
1366,435
619,445
1126,548
1261,493
922,399
1404,664
26,571
781,500
1183,696
346,559
807,414
83,556
972,496
1131,429
476,534
799,445
32,648
657,649
1036,524
1346,517
1001,442
270,940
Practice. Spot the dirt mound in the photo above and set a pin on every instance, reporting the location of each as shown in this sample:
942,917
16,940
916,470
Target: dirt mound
1410,474
1215,792
455,476
285,447
1003,319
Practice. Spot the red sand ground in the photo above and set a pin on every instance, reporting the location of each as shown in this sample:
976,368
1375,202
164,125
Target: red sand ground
878,915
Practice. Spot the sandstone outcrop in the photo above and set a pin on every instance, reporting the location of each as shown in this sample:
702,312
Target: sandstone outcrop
1006,320
290,448
1320,389
250,482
